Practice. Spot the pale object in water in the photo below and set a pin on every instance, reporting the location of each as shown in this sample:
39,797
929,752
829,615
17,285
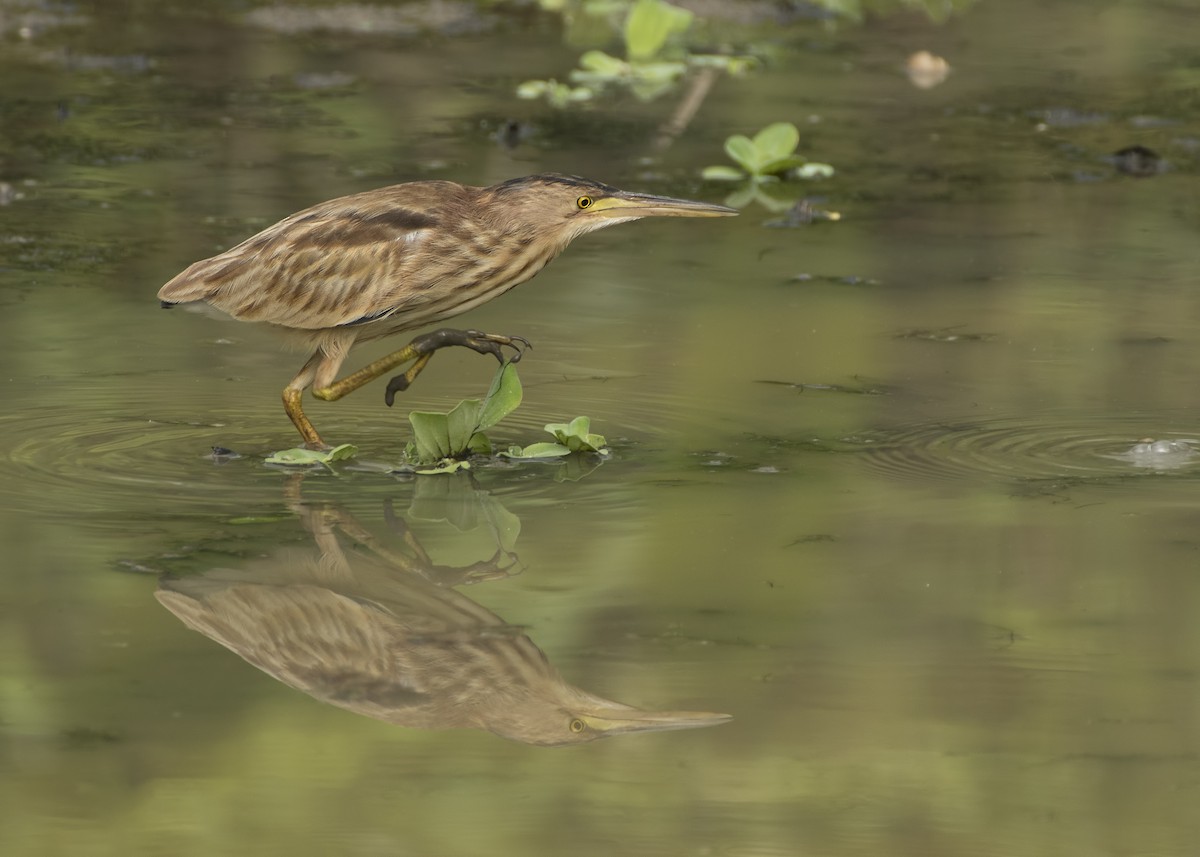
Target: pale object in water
926,70
1159,454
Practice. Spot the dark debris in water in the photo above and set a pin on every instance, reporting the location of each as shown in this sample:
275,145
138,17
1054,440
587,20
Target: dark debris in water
944,334
803,387
803,213
511,133
1137,161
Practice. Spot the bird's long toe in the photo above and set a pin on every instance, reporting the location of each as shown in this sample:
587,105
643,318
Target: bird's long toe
397,384
494,344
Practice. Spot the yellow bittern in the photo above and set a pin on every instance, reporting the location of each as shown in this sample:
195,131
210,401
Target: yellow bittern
399,258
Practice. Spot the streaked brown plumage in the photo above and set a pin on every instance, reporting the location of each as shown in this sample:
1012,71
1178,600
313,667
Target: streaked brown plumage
399,258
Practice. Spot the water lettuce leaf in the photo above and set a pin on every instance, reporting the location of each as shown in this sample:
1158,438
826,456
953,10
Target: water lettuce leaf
569,438
302,457
459,433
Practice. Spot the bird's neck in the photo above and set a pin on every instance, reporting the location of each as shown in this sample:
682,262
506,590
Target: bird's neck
530,250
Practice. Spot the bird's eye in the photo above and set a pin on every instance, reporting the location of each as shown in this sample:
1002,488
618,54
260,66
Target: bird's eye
583,202
578,725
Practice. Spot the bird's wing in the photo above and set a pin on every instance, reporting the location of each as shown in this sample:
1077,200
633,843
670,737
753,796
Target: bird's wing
342,262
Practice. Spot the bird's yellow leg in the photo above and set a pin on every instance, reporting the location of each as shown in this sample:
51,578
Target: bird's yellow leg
291,403
372,371
293,395
420,350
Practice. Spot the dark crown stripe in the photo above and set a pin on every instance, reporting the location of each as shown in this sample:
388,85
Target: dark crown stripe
576,182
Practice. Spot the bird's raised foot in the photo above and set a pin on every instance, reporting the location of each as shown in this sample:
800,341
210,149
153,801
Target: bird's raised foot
476,340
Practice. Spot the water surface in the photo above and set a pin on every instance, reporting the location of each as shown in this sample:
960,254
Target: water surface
949,607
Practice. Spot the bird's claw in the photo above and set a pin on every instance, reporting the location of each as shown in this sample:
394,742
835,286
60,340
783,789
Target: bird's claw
494,344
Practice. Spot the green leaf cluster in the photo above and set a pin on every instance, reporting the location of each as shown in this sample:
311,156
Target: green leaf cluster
768,157
770,154
442,443
575,436
460,433
302,457
647,69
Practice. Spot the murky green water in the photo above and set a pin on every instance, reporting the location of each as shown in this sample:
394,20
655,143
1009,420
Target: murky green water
937,571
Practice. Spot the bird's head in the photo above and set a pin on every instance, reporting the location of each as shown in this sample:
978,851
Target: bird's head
561,208
561,714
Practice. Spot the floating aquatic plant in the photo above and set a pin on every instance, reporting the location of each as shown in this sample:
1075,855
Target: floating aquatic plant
445,442
302,457
767,158
653,58
458,434
575,436
770,155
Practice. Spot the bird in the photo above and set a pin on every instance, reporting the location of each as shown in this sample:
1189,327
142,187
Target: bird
388,640
399,258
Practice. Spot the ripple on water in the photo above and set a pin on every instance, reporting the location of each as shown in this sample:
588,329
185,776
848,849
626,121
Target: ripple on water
1036,448
636,406
148,455
69,463
61,463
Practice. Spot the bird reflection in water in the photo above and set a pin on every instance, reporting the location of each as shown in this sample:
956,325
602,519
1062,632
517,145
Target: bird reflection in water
385,636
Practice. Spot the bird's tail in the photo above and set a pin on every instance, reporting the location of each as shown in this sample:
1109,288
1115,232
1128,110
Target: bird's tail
195,283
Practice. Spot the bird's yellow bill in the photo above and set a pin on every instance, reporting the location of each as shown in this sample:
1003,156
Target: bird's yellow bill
616,721
648,205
